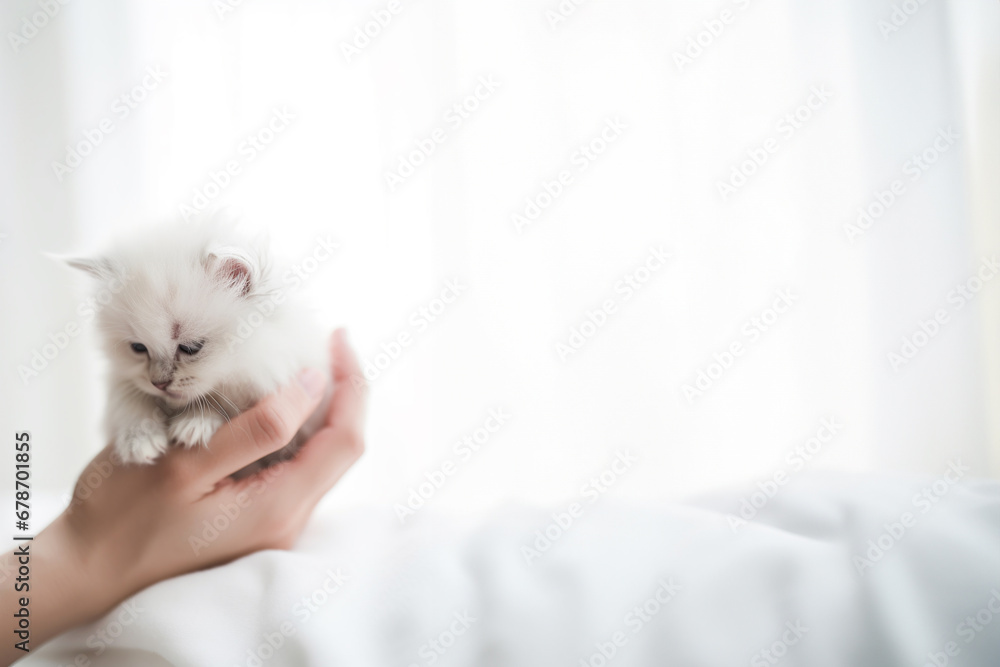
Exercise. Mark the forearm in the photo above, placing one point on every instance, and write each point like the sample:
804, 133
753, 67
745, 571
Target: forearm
47, 578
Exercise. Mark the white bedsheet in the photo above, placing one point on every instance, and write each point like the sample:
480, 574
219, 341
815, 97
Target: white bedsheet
674, 585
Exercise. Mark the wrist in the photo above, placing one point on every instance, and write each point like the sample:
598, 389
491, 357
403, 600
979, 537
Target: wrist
68, 587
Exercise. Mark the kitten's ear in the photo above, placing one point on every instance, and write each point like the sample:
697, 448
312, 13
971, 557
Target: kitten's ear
98, 267
233, 268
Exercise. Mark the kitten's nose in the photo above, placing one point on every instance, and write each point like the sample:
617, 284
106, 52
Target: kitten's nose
162, 386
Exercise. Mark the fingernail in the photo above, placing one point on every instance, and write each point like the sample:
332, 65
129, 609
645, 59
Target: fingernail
313, 381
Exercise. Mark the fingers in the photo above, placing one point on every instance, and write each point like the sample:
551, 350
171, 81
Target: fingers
261, 430
350, 395
320, 464
331, 451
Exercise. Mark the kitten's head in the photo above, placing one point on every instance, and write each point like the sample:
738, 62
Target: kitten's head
169, 307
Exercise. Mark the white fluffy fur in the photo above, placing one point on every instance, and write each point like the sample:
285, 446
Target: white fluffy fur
183, 284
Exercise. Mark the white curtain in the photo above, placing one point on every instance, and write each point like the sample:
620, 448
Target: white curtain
806, 111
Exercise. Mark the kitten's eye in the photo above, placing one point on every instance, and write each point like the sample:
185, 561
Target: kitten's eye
193, 348
138, 347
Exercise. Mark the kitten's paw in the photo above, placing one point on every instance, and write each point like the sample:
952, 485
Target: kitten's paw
141, 443
193, 430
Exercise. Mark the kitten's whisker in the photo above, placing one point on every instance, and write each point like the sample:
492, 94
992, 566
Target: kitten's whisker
215, 405
236, 409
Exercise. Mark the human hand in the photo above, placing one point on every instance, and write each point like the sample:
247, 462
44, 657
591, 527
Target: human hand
142, 524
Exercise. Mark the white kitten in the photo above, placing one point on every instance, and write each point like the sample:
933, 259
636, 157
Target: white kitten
198, 328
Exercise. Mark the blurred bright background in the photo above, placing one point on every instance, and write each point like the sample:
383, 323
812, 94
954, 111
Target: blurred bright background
692, 91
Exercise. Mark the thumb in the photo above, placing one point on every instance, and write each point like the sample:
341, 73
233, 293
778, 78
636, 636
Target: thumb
264, 428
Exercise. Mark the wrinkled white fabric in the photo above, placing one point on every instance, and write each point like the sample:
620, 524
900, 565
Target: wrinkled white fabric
677, 585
